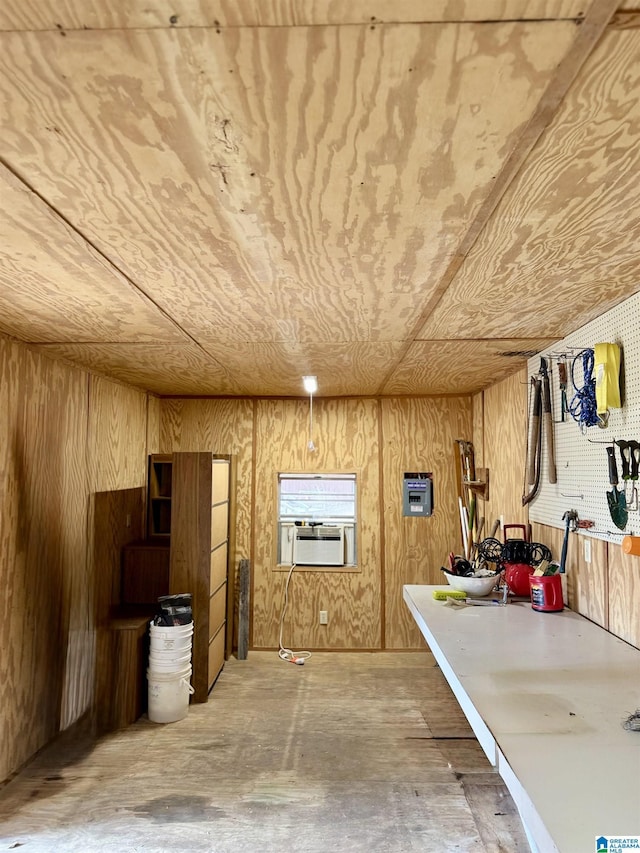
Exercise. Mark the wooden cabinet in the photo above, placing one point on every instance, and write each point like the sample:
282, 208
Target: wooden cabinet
145, 571
159, 495
194, 488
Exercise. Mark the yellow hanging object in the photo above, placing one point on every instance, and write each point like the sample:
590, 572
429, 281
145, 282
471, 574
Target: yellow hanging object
606, 359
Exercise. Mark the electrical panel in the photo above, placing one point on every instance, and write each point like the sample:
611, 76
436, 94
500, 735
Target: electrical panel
417, 494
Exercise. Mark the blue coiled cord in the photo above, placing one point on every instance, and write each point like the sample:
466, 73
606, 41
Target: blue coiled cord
583, 407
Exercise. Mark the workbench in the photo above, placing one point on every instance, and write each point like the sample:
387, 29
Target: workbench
546, 695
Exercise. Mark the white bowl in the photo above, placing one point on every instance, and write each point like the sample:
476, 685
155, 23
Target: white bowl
474, 587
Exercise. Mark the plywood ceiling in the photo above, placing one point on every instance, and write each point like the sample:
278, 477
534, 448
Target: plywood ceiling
395, 196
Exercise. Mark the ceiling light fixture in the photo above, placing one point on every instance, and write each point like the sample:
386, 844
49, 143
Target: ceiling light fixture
310, 384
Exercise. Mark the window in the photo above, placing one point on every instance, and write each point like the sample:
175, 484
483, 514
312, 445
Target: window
326, 502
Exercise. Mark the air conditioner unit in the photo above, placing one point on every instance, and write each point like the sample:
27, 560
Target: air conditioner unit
320, 545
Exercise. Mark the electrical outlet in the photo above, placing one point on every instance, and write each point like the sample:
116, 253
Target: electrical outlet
324, 617
587, 550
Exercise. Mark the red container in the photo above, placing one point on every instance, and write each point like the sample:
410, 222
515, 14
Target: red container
546, 593
516, 577
516, 572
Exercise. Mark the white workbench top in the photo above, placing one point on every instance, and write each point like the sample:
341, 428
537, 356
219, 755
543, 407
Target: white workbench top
546, 694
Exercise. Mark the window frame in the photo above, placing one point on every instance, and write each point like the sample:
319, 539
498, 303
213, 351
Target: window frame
289, 520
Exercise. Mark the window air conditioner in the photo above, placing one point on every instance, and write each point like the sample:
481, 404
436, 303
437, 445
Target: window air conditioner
320, 545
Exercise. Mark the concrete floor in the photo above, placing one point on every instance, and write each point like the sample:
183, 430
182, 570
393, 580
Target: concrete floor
367, 753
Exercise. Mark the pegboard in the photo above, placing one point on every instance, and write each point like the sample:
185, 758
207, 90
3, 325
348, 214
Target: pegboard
581, 458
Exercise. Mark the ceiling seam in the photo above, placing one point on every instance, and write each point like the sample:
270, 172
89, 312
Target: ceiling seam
590, 30
371, 24
62, 218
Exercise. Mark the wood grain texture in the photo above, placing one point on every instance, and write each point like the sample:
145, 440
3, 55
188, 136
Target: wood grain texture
122, 673
589, 584
42, 552
61, 437
118, 520
253, 13
190, 556
477, 404
464, 366
117, 441
153, 424
346, 435
418, 435
533, 256
624, 595
505, 418
277, 368
347, 747
54, 286
334, 227
203, 198
159, 368
222, 426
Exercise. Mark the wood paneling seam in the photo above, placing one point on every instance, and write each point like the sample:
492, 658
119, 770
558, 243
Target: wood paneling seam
589, 33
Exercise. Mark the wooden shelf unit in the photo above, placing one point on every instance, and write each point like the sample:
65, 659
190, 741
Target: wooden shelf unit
196, 487
159, 495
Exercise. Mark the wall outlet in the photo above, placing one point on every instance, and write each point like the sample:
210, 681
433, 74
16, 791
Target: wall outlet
587, 550
324, 617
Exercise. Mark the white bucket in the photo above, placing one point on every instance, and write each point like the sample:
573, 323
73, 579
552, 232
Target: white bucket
169, 695
170, 664
172, 644
170, 654
170, 632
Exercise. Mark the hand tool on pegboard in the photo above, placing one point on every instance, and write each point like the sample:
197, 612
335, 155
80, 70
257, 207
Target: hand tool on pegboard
547, 420
616, 498
563, 379
540, 422
534, 442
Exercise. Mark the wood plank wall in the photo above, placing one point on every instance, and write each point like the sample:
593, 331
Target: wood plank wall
415, 435
419, 435
394, 434
223, 427
64, 435
346, 435
606, 590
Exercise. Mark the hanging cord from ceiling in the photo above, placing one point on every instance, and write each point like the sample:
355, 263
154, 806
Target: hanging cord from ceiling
583, 407
311, 444
284, 653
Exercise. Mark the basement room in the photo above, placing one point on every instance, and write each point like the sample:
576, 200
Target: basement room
320, 426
